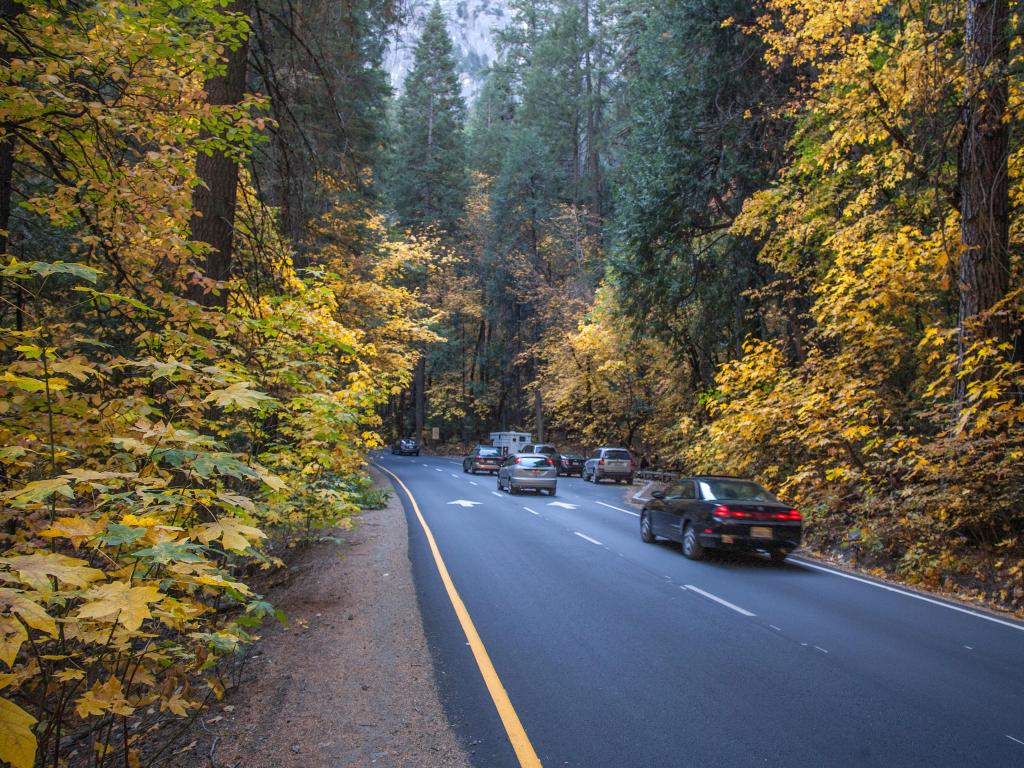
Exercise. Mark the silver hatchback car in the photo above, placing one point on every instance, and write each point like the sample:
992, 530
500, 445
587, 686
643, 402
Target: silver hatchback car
528, 471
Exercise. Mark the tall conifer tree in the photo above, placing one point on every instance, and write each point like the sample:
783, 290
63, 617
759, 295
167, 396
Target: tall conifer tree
428, 176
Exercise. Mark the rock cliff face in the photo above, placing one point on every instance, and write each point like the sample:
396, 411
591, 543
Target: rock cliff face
471, 24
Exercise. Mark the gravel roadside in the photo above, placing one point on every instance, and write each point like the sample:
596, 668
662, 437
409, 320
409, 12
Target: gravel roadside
350, 681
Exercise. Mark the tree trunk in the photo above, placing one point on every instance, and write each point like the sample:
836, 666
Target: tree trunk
9, 11
984, 269
215, 199
420, 385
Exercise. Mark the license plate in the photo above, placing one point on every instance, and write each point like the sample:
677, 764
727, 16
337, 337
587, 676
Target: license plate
760, 532
535, 471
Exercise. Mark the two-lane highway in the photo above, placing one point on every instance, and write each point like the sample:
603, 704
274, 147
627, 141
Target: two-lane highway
612, 652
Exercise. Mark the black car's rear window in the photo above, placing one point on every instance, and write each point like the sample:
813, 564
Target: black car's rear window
547, 449
572, 456
617, 455
489, 452
734, 489
533, 461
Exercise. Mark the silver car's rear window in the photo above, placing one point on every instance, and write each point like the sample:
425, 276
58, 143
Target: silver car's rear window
529, 461
617, 455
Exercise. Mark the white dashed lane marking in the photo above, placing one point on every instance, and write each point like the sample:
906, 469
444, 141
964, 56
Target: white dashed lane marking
473, 483
499, 495
532, 512
718, 600
1013, 739
619, 509
587, 538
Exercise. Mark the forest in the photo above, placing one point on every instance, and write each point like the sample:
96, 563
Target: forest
778, 239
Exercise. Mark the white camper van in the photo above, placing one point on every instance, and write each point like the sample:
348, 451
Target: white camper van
510, 442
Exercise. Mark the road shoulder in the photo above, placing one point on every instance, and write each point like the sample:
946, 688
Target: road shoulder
350, 681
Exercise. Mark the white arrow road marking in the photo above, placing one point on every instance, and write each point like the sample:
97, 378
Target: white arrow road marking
563, 505
466, 503
720, 601
587, 538
619, 509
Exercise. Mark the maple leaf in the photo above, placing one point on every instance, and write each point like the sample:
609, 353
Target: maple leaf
33, 614
34, 569
103, 698
239, 395
77, 529
121, 602
12, 636
17, 742
39, 490
234, 535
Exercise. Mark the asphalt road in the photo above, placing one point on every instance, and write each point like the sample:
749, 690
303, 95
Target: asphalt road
618, 653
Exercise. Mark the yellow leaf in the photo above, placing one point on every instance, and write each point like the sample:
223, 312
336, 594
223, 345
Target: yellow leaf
103, 698
12, 636
33, 614
234, 535
17, 742
119, 601
35, 569
77, 529
239, 395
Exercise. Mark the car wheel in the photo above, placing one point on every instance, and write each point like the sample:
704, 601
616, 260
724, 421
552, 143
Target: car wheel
499, 483
778, 555
512, 490
465, 470
646, 531
691, 544
551, 492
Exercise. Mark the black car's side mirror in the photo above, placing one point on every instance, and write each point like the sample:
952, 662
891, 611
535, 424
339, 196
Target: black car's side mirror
657, 494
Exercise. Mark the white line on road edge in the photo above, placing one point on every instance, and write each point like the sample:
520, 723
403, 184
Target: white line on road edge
619, 509
531, 511
1013, 739
719, 600
904, 592
499, 495
592, 541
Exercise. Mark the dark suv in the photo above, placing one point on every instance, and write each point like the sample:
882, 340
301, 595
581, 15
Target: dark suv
406, 446
713, 511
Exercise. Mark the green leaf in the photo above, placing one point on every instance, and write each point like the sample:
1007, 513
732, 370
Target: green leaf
44, 269
208, 464
117, 534
171, 551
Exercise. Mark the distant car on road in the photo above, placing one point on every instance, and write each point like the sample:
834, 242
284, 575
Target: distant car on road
719, 512
613, 463
570, 464
528, 471
483, 458
406, 446
547, 449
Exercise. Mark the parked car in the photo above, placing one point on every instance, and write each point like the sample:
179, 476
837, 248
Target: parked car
547, 449
483, 458
719, 512
570, 464
406, 446
613, 463
528, 471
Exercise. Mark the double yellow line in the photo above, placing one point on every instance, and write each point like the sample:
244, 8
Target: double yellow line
513, 727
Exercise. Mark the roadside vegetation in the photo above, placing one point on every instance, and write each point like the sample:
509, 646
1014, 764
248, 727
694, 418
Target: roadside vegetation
778, 239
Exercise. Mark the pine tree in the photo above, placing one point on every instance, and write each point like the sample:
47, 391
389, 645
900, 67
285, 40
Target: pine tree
428, 174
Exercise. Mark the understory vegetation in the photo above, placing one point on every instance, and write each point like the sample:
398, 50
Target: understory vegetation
779, 239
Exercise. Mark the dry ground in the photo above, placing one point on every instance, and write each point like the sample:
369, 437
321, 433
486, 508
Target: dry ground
350, 681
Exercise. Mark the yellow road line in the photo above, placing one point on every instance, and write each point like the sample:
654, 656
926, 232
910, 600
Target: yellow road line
516, 733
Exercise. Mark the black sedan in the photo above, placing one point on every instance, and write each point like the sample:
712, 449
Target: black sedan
406, 446
570, 464
483, 458
717, 512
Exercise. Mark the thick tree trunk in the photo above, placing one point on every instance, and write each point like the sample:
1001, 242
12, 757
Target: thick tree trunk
984, 269
420, 385
215, 199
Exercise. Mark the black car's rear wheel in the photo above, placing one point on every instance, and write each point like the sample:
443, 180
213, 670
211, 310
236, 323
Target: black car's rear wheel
646, 530
778, 555
691, 544
512, 490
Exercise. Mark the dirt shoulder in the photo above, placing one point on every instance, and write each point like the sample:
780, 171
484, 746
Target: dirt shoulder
350, 681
